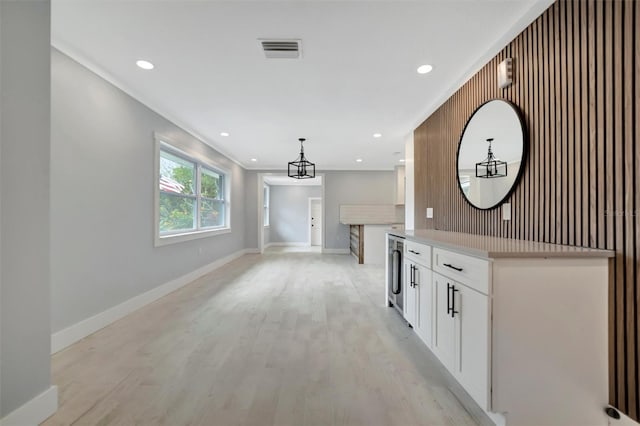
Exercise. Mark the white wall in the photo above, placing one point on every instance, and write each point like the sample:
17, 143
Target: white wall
409, 193
102, 205
24, 213
289, 213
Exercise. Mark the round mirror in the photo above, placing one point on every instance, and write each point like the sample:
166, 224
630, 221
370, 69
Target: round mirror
491, 154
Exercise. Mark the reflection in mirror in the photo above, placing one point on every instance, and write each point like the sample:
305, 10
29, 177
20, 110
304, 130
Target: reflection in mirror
491, 153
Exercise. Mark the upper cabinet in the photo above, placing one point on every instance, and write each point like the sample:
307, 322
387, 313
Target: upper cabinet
399, 187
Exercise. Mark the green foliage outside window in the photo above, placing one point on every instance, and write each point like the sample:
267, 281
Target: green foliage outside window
209, 184
178, 212
178, 201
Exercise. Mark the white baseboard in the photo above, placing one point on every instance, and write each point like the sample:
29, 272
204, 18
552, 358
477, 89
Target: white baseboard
335, 251
287, 244
82, 329
35, 411
252, 251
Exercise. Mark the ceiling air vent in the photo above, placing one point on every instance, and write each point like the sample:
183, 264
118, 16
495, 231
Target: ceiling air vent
279, 49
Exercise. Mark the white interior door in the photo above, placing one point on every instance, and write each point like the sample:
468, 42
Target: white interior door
316, 222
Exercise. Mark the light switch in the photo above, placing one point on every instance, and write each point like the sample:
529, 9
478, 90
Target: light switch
429, 212
506, 211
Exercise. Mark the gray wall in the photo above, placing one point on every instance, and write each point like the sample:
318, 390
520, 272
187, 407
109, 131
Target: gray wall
341, 187
25, 339
102, 198
352, 188
289, 213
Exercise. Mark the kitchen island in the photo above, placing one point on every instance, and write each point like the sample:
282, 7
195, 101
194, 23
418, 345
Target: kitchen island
368, 225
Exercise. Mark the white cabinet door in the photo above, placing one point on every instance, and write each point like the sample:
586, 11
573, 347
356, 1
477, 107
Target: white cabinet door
424, 313
444, 327
471, 314
410, 294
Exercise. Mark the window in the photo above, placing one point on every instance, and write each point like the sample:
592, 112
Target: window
193, 197
265, 213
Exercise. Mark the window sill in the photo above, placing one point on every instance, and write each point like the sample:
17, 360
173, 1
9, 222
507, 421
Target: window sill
188, 236
266, 226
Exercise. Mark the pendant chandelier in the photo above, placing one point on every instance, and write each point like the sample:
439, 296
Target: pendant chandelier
491, 167
301, 168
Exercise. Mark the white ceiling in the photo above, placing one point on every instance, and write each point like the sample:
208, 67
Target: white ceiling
357, 75
281, 180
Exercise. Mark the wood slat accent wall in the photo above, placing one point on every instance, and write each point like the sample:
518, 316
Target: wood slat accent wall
577, 81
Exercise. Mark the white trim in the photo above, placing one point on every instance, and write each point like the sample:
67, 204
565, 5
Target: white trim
288, 244
91, 66
266, 203
188, 236
84, 328
35, 411
261, 244
165, 142
335, 251
260, 191
311, 199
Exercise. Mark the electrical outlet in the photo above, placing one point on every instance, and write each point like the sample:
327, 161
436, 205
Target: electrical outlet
506, 211
429, 212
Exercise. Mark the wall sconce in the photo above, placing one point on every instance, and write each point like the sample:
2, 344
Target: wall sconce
505, 73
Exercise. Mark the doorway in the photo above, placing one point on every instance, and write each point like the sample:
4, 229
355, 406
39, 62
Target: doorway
315, 221
284, 212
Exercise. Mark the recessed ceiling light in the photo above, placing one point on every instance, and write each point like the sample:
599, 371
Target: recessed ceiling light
401, 160
424, 69
358, 160
254, 159
224, 134
145, 65
377, 135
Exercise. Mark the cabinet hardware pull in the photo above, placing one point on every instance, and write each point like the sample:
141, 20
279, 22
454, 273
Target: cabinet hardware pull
411, 275
448, 298
414, 252
414, 274
396, 287
448, 265
453, 301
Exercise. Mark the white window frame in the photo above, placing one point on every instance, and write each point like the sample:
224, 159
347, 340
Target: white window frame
266, 195
160, 239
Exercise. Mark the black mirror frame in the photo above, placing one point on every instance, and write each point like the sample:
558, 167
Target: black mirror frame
523, 158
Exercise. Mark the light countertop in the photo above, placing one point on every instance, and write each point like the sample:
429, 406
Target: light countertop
495, 247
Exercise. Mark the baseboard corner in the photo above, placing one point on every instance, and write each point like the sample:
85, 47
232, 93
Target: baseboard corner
35, 411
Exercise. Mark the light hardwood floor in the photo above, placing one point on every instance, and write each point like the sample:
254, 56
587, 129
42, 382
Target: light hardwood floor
275, 339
